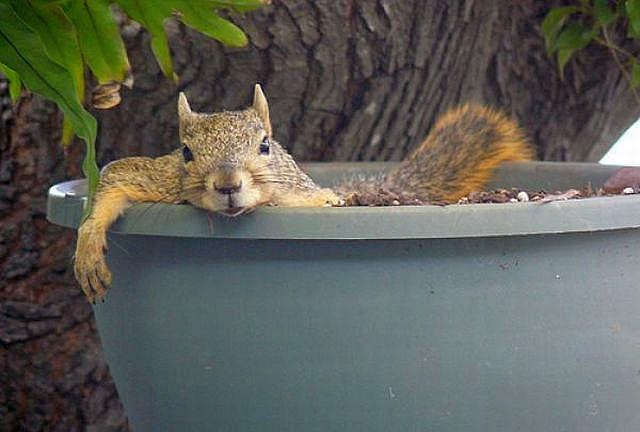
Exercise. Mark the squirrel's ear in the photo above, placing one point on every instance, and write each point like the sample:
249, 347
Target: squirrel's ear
262, 108
183, 106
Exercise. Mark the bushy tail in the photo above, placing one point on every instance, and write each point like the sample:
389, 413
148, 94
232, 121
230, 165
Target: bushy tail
460, 154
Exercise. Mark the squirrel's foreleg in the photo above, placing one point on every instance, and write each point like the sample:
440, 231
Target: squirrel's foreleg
90, 268
122, 183
320, 197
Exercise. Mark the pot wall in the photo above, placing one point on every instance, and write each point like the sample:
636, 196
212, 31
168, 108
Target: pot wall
522, 333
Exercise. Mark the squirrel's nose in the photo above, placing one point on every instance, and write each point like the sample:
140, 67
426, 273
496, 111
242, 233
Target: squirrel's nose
228, 189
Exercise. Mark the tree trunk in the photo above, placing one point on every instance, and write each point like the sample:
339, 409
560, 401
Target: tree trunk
52, 372
346, 80
350, 80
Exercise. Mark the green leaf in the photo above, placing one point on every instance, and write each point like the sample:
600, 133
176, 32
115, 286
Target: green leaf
57, 35
553, 22
15, 84
210, 24
633, 12
160, 48
49, 2
238, 5
563, 57
574, 37
603, 13
198, 14
21, 50
151, 16
67, 132
100, 41
635, 75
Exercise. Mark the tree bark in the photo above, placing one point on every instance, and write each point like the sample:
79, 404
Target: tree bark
350, 80
52, 372
346, 80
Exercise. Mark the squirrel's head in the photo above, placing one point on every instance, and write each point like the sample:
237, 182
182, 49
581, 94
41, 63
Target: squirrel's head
227, 156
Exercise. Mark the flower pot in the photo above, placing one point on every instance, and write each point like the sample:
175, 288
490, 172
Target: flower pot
501, 317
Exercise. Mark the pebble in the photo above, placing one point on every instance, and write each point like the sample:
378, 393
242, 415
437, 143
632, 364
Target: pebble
513, 200
523, 196
628, 191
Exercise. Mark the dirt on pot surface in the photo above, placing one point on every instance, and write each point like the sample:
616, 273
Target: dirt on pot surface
625, 181
513, 195
383, 197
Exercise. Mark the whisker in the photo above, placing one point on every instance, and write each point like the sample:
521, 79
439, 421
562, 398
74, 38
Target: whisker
118, 245
149, 207
210, 222
267, 179
136, 218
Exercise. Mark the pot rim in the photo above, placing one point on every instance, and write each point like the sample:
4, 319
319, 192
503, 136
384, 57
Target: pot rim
65, 202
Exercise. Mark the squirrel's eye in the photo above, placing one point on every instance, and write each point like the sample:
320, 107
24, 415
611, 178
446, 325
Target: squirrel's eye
186, 153
264, 146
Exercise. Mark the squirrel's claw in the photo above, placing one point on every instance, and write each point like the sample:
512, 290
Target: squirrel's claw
94, 278
334, 200
98, 285
83, 280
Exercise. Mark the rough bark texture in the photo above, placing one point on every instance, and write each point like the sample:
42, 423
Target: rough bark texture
351, 80
52, 372
347, 80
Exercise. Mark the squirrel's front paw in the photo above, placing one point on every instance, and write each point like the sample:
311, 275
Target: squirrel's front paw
328, 198
336, 201
90, 267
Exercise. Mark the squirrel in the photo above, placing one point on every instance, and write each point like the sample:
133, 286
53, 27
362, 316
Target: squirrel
229, 163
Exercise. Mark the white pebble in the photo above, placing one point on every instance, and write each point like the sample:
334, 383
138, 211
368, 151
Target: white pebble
513, 200
395, 202
628, 191
523, 196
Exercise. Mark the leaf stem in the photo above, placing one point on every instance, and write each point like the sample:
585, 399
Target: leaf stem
615, 49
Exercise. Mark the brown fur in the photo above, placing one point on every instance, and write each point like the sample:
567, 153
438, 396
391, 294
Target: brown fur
458, 157
460, 154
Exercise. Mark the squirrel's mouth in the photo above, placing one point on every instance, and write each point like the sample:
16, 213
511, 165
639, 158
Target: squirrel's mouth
234, 211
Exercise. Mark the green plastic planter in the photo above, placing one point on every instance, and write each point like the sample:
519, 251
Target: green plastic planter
503, 317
